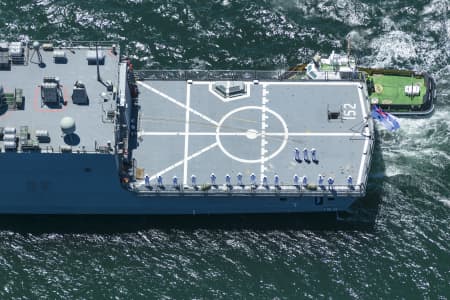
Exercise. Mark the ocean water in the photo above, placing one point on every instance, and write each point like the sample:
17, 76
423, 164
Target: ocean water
397, 245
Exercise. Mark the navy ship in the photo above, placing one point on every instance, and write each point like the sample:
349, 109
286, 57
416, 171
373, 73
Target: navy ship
81, 132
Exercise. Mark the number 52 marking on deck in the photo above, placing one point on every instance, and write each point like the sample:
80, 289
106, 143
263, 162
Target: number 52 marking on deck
349, 111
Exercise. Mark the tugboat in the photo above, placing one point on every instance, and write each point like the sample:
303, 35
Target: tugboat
403, 93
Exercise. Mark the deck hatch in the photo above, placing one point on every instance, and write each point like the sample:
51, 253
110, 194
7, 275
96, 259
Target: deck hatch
229, 89
334, 112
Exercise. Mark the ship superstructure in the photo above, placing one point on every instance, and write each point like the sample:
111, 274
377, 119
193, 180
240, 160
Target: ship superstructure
82, 132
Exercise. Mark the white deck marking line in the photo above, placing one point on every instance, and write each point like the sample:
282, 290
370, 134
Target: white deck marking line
186, 130
181, 133
202, 82
264, 117
177, 103
366, 142
179, 163
268, 110
361, 102
310, 82
363, 159
321, 83
351, 134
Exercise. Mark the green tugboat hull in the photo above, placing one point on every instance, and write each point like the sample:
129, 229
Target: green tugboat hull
401, 92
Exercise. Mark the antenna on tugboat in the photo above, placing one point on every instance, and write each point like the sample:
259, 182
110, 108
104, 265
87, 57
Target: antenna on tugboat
349, 46
412, 86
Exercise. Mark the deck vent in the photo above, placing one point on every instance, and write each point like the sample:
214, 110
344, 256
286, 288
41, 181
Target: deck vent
91, 57
66, 149
42, 136
59, 57
10, 145
16, 51
5, 63
47, 47
412, 90
79, 94
111, 114
229, 89
4, 47
50, 90
334, 115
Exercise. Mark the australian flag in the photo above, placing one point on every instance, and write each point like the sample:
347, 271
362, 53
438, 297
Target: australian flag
388, 120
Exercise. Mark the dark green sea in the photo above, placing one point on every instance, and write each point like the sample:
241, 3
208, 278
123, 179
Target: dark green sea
396, 246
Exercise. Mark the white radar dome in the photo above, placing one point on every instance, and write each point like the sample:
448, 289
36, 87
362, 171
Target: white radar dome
68, 125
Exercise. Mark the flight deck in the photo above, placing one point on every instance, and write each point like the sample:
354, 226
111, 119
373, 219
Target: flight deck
238, 134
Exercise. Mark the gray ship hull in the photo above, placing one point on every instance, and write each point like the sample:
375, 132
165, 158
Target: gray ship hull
35, 183
82, 133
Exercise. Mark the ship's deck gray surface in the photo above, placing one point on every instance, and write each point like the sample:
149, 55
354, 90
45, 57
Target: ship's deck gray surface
186, 129
88, 118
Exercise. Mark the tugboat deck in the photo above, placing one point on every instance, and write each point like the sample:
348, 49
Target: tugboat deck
389, 90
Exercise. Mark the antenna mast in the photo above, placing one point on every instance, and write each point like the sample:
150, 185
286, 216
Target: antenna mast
36, 51
98, 67
348, 46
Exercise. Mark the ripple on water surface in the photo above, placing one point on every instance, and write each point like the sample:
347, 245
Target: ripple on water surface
404, 254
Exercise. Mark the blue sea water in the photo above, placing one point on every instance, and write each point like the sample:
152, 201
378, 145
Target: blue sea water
396, 247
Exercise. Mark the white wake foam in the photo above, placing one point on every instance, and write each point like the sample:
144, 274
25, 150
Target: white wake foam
446, 202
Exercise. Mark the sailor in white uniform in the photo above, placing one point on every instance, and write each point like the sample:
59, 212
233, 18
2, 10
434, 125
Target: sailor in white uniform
297, 155
330, 182
320, 180
228, 180
296, 180
314, 155
305, 155
239, 179
276, 180
160, 180
253, 179
265, 181
350, 181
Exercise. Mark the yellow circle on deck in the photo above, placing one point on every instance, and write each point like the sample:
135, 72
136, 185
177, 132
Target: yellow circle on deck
378, 88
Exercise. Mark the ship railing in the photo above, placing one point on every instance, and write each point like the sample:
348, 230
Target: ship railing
72, 150
367, 164
75, 44
249, 190
236, 75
